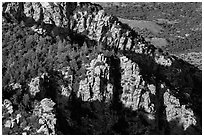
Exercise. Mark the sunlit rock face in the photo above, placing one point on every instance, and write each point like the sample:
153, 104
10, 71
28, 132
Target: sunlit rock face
34, 86
135, 92
176, 111
33, 11
173, 101
133, 85
179, 115
47, 120
95, 85
56, 13
8, 105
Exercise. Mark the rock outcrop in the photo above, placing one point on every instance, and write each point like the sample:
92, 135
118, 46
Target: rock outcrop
47, 120
175, 111
96, 85
133, 86
159, 86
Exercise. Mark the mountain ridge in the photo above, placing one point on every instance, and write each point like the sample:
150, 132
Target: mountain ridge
136, 74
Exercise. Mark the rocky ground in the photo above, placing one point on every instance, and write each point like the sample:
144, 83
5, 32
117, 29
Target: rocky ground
75, 69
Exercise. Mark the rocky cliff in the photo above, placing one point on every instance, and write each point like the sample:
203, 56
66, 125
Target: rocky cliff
164, 91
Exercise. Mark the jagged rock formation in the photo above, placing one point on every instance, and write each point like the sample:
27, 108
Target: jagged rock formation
96, 86
133, 86
174, 110
47, 119
165, 90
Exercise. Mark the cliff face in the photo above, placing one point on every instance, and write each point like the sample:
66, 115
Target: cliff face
163, 89
95, 86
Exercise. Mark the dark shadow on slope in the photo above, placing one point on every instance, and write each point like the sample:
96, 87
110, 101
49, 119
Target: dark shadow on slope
175, 128
98, 118
115, 79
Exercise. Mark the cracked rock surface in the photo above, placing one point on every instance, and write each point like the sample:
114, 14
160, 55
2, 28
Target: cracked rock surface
159, 88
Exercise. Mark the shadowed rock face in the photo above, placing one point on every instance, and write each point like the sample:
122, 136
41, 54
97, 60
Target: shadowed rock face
165, 90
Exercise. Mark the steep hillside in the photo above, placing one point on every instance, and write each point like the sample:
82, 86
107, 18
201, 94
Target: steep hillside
70, 68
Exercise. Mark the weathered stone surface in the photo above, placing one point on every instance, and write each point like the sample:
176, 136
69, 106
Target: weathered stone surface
153, 100
39, 13
47, 120
135, 93
162, 60
47, 104
97, 74
8, 105
15, 86
34, 86
34, 10
130, 81
176, 111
